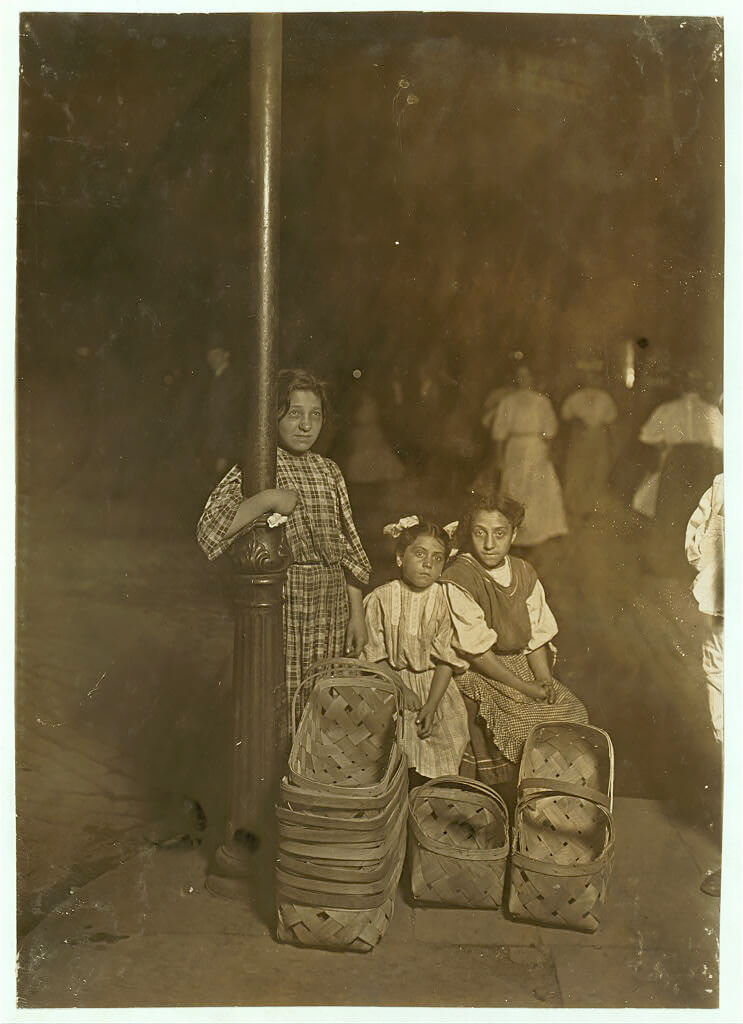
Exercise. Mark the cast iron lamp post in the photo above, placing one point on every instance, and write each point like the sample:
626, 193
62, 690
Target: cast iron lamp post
260, 554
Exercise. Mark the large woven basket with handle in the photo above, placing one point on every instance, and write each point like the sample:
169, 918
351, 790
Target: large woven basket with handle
342, 811
458, 843
563, 838
350, 732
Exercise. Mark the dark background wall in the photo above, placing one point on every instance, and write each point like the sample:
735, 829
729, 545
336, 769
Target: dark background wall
454, 187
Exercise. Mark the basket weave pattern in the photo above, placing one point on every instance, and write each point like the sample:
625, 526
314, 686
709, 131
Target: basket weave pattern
458, 843
563, 848
342, 810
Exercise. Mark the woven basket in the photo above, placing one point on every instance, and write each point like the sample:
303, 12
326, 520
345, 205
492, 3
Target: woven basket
345, 808
346, 851
570, 752
458, 843
341, 922
310, 835
350, 733
349, 930
563, 841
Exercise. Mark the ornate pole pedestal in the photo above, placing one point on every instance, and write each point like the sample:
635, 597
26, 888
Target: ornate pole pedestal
259, 553
260, 741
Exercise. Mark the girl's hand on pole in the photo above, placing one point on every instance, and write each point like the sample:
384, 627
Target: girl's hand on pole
356, 635
281, 499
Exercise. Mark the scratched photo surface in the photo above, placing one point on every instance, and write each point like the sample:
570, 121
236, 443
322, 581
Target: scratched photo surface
499, 240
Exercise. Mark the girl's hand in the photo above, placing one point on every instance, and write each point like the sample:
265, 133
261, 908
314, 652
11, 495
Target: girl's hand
410, 700
356, 635
424, 721
539, 690
549, 691
281, 499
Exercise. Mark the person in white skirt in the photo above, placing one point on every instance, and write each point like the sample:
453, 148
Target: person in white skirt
522, 427
409, 630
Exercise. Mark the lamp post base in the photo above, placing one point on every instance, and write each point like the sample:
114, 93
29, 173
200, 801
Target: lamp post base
234, 870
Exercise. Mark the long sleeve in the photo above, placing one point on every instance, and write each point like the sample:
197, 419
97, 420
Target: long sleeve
705, 535
570, 407
471, 634
501, 422
218, 515
354, 559
653, 430
543, 623
696, 528
548, 421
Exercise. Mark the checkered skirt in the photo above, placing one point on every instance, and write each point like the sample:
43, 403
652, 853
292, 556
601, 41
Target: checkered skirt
509, 715
315, 620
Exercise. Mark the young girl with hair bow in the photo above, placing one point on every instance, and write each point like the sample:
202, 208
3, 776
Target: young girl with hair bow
409, 629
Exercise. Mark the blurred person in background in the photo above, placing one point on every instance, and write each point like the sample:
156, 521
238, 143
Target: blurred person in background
523, 425
687, 435
592, 412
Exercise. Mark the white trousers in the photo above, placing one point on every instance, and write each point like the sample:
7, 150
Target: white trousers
712, 659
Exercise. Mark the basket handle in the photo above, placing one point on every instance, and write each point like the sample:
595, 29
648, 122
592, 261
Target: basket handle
465, 783
478, 787
419, 792
369, 667
522, 860
595, 796
541, 867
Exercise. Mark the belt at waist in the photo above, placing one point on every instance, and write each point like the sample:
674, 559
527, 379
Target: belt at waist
310, 565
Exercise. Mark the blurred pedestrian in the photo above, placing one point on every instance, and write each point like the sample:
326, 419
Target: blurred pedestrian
685, 421
591, 411
522, 427
222, 414
687, 434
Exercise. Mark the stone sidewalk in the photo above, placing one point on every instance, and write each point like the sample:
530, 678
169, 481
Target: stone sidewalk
149, 934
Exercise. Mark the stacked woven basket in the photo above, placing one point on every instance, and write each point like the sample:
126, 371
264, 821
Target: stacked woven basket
563, 839
342, 810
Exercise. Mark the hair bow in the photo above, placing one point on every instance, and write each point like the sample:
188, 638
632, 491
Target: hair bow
451, 528
395, 529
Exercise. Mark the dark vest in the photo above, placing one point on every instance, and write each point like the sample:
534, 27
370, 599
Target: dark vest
504, 607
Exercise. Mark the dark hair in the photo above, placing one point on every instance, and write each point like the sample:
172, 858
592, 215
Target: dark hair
486, 500
299, 380
423, 529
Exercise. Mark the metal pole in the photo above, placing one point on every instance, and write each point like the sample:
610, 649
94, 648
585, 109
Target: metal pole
260, 554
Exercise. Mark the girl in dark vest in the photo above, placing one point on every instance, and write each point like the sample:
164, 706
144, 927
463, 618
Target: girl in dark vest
503, 627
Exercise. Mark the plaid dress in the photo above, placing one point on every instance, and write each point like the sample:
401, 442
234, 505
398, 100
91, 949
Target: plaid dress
325, 548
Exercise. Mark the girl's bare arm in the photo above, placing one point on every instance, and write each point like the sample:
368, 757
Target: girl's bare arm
275, 499
488, 665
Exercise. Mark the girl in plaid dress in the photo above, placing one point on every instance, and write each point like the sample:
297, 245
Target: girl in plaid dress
410, 630
323, 609
503, 627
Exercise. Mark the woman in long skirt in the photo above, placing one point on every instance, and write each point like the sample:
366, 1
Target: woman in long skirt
523, 424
